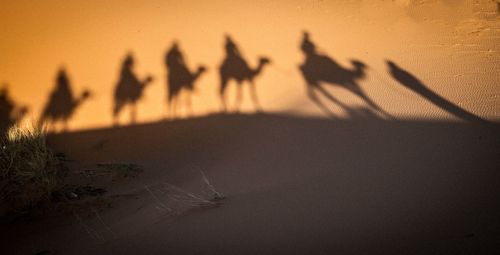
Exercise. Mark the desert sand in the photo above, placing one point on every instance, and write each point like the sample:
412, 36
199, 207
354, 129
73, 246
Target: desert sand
378, 132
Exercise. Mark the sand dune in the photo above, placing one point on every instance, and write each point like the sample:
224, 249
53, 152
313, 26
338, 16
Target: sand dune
293, 185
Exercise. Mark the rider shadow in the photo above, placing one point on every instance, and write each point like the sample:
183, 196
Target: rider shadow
10, 113
179, 79
62, 102
235, 67
129, 90
411, 82
318, 69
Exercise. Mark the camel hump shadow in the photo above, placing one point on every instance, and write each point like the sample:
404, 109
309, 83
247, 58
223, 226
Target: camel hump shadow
10, 112
235, 67
62, 102
321, 68
129, 89
318, 68
180, 77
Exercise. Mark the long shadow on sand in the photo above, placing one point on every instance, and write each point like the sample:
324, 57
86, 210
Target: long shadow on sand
411, 82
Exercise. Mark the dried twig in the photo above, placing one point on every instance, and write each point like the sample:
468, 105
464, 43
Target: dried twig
163, 206
217, 195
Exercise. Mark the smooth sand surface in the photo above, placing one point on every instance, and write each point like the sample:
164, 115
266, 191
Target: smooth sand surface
293, 185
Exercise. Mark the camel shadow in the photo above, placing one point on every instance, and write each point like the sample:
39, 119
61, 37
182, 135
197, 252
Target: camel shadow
179, 78
235, 67
129, 90
319, 68
10, 113
411, 82
62, 102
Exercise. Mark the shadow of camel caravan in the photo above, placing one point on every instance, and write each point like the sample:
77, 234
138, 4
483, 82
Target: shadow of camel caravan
235, 67
10, 113
62, 103
128, 90
179, 79
319, 69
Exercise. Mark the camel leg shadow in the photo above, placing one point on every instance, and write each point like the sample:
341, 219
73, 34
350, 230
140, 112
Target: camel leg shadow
239, 98
255, 99
312, 95
353, 88
222, 94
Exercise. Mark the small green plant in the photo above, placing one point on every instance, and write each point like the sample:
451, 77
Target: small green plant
30, 172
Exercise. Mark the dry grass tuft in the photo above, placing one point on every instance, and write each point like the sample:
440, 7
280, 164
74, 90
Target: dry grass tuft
30, 173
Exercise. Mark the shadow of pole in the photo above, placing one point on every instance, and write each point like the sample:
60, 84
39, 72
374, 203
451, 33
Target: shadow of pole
409, 81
